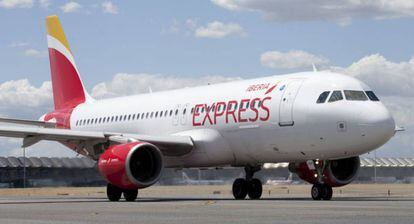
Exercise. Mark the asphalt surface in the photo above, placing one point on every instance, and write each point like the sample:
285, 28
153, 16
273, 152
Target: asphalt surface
205, 209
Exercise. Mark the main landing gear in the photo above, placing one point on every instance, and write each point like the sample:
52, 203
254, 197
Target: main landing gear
249, 186
114, 193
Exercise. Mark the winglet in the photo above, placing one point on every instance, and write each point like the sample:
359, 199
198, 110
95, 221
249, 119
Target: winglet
314, 67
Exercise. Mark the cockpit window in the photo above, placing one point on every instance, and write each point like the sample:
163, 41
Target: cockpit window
322, 97
336, 96
371, 95
355, 95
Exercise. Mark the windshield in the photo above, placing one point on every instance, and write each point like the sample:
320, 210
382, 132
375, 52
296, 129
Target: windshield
322, 97
355, 95
336, 96
372, 96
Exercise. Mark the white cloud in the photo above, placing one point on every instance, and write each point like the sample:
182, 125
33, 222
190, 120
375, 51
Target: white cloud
127, 84
342, 11
219, 30
18, 44
71, 7
10, 4
388, 77
35, 53
109, 7
21, 94
174, 28
45, 3
291, 59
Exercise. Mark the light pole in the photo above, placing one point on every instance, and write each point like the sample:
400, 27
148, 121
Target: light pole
375, 166
24, 167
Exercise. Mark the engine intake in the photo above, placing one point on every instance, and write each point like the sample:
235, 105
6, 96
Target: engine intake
337, 173
131, 165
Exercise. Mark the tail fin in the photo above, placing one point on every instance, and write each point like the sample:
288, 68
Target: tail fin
68, 90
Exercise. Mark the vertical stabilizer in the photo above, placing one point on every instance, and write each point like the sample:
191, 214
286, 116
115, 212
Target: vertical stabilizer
68, 89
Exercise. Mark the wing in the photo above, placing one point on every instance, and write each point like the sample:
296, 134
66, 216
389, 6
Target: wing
94, 142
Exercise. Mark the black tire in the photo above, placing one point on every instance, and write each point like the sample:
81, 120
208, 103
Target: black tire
327, 192
130, 194
316, 192
113, 192
255, 188
240, 189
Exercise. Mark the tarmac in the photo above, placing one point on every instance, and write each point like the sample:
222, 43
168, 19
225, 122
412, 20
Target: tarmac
210, 204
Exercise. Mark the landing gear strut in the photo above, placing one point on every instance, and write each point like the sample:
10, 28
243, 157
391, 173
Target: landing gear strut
248, 186
321, 190
114, 193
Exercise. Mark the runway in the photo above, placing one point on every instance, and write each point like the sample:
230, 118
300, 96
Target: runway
183, 205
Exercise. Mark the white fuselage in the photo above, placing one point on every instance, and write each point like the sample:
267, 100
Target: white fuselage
287, 125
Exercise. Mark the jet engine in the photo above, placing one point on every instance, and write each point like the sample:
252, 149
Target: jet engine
336, 173
131, 165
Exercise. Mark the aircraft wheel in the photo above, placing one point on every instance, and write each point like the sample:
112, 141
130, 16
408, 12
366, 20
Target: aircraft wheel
327, 192
240, 188
316, 192
113, 192
255, 188
130, 194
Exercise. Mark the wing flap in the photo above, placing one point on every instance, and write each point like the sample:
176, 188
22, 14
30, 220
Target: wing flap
28, 122
169, 145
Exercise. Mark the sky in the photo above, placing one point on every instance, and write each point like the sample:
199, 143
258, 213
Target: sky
123, 47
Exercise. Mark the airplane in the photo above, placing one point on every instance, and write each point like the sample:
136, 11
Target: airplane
318, 121
188, 180
287, 181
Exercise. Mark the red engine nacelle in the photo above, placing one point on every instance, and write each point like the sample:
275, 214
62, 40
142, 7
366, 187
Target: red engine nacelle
131, 165
337, 173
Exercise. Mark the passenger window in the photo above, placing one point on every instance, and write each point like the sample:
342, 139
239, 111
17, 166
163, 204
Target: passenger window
355, 95
336, 96
372, 96
184, 111
322, 97
156, 114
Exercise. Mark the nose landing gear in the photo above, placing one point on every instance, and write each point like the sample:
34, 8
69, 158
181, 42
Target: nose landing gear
321, 192
249, 186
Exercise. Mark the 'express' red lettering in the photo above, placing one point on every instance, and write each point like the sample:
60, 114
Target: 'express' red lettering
233, 111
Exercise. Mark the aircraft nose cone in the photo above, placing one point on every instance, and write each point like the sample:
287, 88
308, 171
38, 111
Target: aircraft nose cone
377, 126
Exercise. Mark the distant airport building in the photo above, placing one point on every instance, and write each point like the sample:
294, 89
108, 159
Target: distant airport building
43, 171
